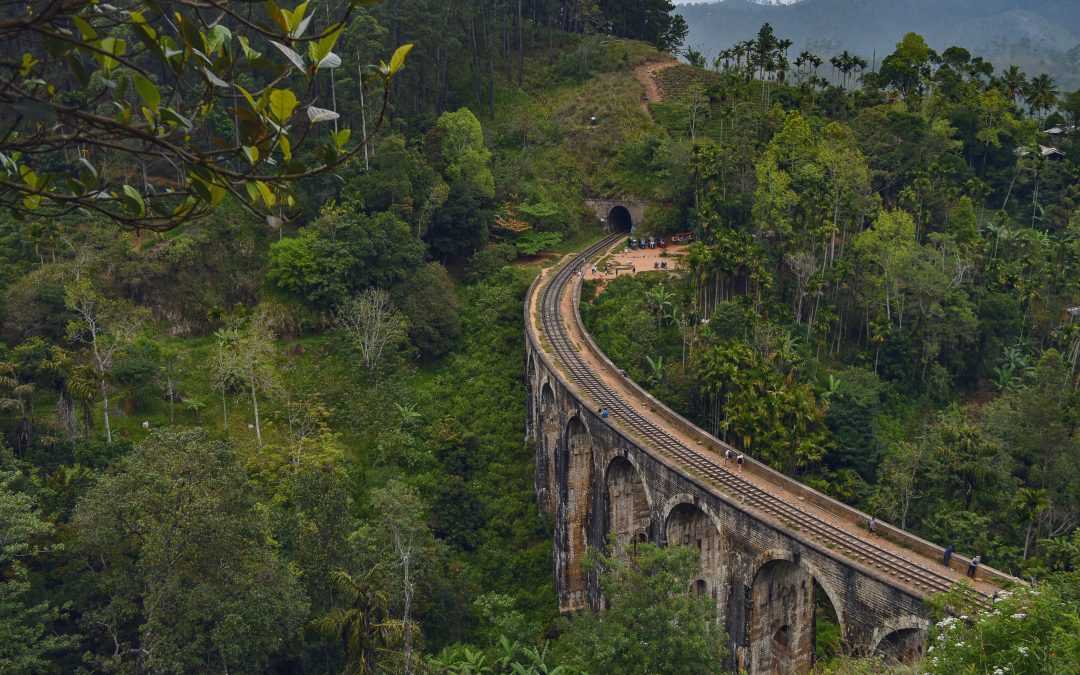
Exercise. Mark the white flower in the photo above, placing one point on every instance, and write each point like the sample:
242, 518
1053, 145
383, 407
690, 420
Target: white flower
1019, 615
961, 643
1023, 650
930, 649
963, 617
999, 671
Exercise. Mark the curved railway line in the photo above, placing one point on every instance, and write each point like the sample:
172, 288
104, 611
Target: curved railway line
841, 542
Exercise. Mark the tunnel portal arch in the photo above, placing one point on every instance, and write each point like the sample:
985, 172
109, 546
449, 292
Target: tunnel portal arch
620, 220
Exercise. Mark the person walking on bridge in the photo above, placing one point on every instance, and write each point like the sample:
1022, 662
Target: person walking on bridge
946, 557
872, 525
973, 566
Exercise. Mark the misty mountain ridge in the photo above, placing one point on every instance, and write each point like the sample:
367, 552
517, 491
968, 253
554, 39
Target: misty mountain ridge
1037, 35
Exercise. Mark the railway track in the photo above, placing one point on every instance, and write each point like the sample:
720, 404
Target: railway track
841, 542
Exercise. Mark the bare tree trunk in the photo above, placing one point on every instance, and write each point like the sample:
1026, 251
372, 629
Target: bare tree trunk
255, 406
105, 409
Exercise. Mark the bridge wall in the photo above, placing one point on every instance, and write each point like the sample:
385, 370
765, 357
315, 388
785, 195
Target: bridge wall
596, 481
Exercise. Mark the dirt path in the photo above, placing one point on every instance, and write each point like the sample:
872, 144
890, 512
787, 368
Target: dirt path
646, 74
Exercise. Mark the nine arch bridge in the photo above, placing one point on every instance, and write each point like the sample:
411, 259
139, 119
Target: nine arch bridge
771, 548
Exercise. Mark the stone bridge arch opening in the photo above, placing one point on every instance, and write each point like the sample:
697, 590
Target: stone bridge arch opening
688, 525
575, 479
628, 506
549, 439
620, 220
792, 619
901, 642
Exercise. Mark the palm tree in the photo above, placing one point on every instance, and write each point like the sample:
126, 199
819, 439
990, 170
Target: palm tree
1041, 94
656, 370
1014, 81
364, 627
660, 299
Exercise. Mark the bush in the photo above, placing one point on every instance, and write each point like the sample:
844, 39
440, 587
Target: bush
431, 304
344, 252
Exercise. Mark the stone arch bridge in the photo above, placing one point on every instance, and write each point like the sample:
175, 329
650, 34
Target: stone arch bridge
770, 547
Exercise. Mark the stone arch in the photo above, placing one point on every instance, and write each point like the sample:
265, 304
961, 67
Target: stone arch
628, 503
781, 635
687, 522
816, 574
575, 481
900, 640
782, 610
548, 426
619, 219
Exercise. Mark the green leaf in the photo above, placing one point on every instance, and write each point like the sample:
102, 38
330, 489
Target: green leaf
249, 53
266, 193
252, 153
148, 91
85, 29
170, 115
282, 104
341, 138
113, 46
248, 97
398, 59
319, 49
134, 201
219, 35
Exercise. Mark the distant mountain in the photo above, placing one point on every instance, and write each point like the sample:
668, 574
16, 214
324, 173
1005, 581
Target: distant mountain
1037, 35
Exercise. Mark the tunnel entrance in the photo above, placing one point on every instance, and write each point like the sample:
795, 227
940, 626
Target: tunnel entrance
619, 220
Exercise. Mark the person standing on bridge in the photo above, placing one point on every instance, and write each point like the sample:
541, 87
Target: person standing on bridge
973, 566
739, 461
872, 525
729, 455
946, 557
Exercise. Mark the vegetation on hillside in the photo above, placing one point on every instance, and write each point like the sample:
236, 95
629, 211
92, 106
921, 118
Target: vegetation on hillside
273, 421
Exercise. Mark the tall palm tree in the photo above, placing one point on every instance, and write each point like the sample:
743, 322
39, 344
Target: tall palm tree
1041, 94
1014, 82
364, 627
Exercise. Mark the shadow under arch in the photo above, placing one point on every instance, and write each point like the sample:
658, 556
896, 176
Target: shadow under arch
574, 466
687, 522
629, 505
786, 598
900, 640
547, 444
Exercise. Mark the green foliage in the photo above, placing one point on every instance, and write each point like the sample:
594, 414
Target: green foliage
429, 301
123, 86
464, 158
532, 243
344, 252
154, 532
779, 421
647, 593
1027, 630
26, 636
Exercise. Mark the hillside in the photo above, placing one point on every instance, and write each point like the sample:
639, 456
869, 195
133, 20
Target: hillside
1036, 35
